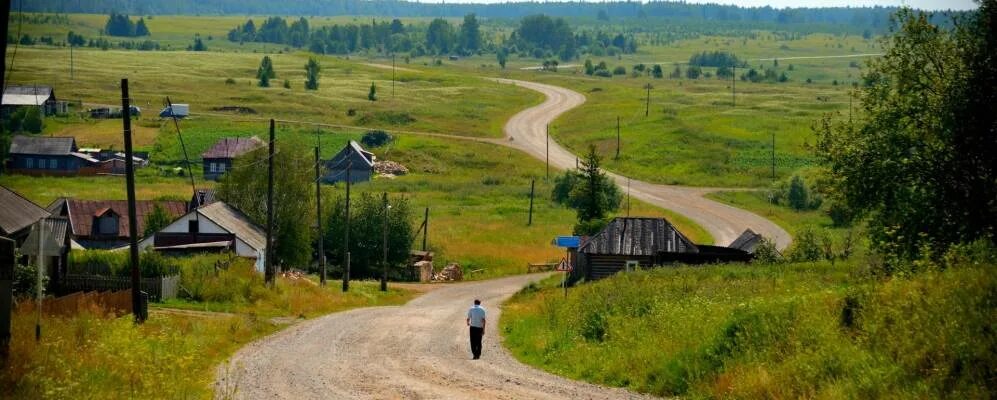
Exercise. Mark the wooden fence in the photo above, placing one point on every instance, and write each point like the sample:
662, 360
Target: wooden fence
119, 303
159, 289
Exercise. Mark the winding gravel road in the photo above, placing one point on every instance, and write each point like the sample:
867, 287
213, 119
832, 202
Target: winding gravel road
420, 350
416, 351
527, 132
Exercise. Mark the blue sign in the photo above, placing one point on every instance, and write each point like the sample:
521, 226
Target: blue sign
568, 241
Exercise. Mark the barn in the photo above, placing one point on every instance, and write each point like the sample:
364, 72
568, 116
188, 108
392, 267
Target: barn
43, 97
216, 227
360, 163
218, 159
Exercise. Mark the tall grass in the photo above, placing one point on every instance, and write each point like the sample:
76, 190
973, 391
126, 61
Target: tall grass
782, 331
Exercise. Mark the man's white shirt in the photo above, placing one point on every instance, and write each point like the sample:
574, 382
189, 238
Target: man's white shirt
477, 316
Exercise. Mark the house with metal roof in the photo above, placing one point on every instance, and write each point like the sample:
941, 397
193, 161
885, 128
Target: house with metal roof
17, 214
353, 161
104, 224
216, 227
46, 155
43, 97
52, 236
218, 159
748, 241
627, 243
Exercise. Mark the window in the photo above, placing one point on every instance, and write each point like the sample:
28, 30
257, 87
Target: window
193, 227
53, 163
108, 225
213, 168
29, 162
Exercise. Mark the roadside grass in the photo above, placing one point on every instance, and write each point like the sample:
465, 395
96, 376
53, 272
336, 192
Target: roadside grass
773, 331
172, 355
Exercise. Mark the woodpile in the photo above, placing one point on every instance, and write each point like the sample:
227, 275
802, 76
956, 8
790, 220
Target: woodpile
425, 270
450, 273
389, 168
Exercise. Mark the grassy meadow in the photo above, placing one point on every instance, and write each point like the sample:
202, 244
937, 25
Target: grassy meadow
807, 330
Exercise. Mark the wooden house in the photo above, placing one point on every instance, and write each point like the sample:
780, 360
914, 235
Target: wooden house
216, 227
629, 243
20, 96
45, 155
17, 214
218, 159
55, 245
103, 224
360, 163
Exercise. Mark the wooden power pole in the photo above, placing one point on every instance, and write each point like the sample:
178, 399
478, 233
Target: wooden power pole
346, 235
318, 218
532, 186
617, 136
425, 229
647, 102
270, 274
547, 150
384, 245
126, 120
773, 155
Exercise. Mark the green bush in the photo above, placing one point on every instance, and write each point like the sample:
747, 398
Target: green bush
115, 263
376, 138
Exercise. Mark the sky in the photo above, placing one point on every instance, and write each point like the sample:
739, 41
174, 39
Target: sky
920, 4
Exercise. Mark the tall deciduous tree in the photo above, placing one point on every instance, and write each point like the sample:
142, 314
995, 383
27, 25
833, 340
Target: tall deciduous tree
367, 216
312, 70
245, 187
918, 158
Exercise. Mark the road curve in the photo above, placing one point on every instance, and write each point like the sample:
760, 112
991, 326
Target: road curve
416, 351
526, 131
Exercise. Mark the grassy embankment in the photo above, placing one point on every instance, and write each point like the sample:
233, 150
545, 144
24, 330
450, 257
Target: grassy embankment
174, 354
767, 331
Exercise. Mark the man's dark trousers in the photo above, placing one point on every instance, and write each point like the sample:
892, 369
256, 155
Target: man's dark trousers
476, 334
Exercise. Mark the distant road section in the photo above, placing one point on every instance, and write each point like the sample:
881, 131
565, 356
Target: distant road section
527, 132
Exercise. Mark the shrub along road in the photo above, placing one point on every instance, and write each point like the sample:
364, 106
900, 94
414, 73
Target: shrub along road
420, 350
527, 132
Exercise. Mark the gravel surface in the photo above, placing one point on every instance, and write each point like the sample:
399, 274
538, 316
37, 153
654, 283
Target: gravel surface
416, 351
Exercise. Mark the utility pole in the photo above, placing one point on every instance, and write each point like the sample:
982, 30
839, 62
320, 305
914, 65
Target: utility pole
733, 85
392, 75
7, 262
268, 270
40, 260
532, 185
773, 155
425, 229
647, 103
346, 236
72, 74
126, 119
628, 197
617, 137
384, 245
547, 149
318, 218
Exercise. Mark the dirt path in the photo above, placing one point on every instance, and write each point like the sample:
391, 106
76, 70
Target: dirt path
527, 131
415, 351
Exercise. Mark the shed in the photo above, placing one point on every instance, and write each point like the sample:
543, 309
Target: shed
43, 97
46, 155
747, 242
628, 240
218, 159
214, 227
17, 214
103, 224
55, 245
358, 161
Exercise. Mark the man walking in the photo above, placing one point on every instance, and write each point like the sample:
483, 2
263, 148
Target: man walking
476, 320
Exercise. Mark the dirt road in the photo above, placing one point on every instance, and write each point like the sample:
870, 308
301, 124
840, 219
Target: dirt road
416, 351
527, 131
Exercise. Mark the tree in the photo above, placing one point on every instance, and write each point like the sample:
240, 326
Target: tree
677, 73
119, 25
657, 72
156, 220
589, 192
245, 186
372, 94
589, 68
76, 40
198, 44
470, 34
440, 36
917, 159
367, 218
312, 69
141, 29
265, 72
693, 72
503, 56
798, 196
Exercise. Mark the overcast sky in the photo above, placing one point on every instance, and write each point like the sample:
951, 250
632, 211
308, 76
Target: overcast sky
921, 4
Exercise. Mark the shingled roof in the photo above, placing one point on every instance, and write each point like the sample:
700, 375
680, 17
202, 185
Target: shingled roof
17, 212
42, 145
232, 147
81, 213
748, 241
638, 237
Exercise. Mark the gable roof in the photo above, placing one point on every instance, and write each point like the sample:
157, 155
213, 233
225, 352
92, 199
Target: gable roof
81, 213
638, 237
42, 145
236, 223
54, 241
748, 241
26, 95
17, 212
351, 149
232, 147
201, 197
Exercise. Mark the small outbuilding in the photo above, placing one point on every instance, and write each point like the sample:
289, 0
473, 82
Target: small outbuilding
218, 159
216, 227
46, 155
352, 158
20, 96
55, 245
17, 214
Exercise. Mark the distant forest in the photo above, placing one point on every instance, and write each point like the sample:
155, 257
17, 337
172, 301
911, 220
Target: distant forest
875, 18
